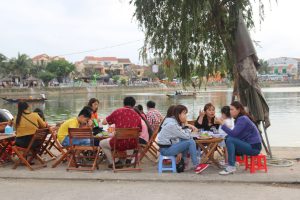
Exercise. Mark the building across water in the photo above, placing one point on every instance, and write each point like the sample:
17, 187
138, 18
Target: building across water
285, 66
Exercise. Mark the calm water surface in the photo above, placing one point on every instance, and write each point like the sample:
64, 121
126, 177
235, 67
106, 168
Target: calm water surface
284, 106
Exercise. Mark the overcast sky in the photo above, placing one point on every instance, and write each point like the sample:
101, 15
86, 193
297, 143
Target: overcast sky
59, 27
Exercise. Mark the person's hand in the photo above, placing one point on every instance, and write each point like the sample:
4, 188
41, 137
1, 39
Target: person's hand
194, 129
201, 113
219, 121
90, 123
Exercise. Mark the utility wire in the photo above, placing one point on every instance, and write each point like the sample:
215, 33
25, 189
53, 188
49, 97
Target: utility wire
107, 47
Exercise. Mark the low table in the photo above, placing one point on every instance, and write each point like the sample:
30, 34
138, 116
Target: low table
209, 146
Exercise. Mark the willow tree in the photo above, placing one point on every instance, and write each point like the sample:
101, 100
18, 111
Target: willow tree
198, 34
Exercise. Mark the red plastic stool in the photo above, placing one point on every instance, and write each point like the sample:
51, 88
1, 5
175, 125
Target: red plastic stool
258, 162
241, 159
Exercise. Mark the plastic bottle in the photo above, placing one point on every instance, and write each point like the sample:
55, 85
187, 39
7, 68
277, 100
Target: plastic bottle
95, 123
8, 129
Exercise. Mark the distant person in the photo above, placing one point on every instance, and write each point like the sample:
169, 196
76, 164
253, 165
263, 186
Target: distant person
63, 132
141, 109
153, 116
125, 117
206, 118
175, 138
26, 123
243, 139
146, 132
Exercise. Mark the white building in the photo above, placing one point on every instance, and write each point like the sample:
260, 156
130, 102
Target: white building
285, 65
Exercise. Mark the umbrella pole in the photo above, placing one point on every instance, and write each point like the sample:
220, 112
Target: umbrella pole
262, 138
268, 143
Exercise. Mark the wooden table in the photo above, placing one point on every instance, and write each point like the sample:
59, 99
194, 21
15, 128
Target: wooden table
209, 146
5, 141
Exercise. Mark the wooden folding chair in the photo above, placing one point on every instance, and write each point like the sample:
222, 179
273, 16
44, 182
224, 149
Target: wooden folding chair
48, 143
33, 151
63, 150
77, 152
132, 136
150, 148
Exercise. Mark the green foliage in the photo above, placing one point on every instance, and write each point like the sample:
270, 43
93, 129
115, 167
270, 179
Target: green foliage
264, 67
21, 65
123, 81
46, 76
61, 68
198, 34
4, 67
116, 78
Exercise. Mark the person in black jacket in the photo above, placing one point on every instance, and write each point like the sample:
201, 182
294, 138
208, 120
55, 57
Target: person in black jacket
206, 118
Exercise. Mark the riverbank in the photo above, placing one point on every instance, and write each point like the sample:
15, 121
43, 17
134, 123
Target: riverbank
82, 90
115, 88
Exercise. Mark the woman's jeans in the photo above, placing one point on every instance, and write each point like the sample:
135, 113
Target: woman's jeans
76, 141
184, 146
236, 146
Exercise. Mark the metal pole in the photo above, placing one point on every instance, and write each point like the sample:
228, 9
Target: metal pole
269, 147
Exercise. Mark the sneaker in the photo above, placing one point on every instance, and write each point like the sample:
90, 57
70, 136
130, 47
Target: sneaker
200, 168
228, 170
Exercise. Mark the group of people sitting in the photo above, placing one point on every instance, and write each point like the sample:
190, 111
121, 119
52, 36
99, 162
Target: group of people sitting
236, 126
240, 133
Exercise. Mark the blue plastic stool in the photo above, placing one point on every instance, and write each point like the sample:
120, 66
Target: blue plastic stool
162, 167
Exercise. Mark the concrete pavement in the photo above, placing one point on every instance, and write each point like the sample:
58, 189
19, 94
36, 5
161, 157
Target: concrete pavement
281, 175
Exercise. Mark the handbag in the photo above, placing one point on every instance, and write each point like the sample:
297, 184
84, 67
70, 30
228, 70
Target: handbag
180, 166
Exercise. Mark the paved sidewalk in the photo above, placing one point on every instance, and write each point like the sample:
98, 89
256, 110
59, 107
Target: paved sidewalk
280, 175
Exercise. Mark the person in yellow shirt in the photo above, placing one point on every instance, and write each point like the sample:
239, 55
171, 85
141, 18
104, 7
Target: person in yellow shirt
26, 124
83, 117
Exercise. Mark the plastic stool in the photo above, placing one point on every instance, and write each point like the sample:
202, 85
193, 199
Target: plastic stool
258, 162
241, 159
162, 167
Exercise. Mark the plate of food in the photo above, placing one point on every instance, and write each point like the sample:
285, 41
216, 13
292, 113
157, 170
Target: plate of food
205, 136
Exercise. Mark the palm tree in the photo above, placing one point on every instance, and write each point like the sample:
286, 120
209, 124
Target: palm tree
21, 66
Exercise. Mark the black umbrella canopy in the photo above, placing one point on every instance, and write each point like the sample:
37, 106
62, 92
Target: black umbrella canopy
249, 90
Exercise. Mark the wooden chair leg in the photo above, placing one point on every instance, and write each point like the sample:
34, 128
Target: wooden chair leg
63, 156
21, 159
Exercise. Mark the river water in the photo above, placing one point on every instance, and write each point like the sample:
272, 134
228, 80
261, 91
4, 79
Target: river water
284, 106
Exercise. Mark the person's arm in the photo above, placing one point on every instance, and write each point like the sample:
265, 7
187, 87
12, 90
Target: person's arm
179, 132
109, 119
200, 118
41, 122
238, 128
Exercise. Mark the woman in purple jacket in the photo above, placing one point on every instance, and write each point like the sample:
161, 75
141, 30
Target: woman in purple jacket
243, 139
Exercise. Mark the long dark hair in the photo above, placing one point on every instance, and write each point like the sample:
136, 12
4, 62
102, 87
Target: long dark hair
177, 111
91, 101
150, 131
22, 106
242, 110
170, 113
205, 118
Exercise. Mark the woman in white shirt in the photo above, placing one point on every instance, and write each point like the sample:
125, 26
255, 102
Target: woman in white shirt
225, 111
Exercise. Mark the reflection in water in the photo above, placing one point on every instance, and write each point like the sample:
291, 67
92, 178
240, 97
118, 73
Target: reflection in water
284, 108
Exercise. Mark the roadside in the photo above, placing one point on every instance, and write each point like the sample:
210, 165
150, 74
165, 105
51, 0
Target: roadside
53, 189
278, 175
